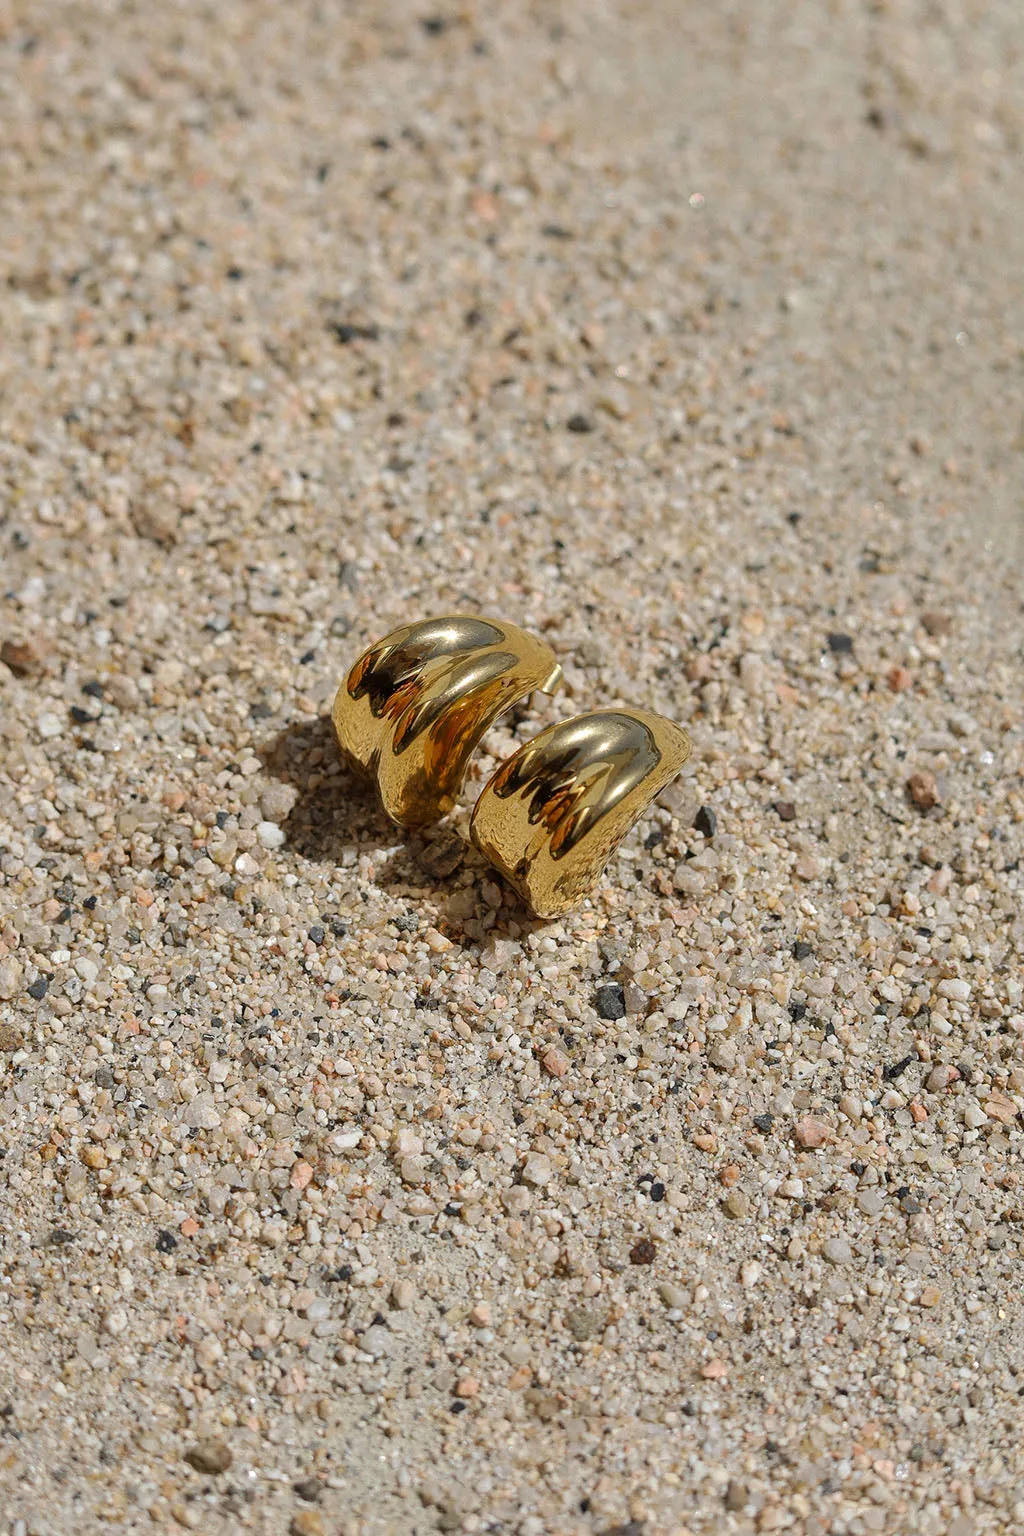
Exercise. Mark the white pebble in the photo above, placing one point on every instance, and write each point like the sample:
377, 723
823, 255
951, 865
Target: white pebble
751, 673
689, 881
50, 725
403, 1295
11, 977
376, 1340
499, 955
344, 1141
201, 1114
277, 801
412, 1171
723, 1055
837, 1251
537, 1169
209, 1352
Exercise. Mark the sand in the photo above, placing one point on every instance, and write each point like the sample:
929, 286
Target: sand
337, 1196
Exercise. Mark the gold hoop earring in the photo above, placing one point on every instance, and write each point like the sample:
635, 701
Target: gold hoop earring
415, 705
550, 817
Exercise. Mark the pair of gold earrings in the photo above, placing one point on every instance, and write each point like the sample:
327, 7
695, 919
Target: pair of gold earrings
416, 704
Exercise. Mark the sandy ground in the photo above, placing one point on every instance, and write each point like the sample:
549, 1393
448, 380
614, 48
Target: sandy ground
338, 1197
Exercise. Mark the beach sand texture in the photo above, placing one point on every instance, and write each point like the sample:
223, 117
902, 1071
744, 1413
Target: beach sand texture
337, 1197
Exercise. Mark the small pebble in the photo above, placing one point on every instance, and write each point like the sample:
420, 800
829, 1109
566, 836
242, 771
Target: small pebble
403, 1295
974, 1116
736, 1496
736, 1204
156, 518
412, 1170
277, 802
583, 1323
724, 1054
634, 998
25, 658
999, 1107
537, 1169
810, 1133
307, 1522
11, 1037
11, 978
706, 822
209, 1456
679, 800
555, 1061
837, 1251
122, 691
443, 857
752, 674
610, 1001
376, 1340
923, 789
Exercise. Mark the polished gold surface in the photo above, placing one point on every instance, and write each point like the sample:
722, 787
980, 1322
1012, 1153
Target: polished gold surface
415, 705
551, 815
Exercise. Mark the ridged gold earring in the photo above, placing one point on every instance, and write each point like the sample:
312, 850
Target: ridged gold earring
550, 817
415, 705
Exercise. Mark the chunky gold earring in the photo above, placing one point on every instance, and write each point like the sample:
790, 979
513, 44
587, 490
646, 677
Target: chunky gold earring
415, 705
551, 815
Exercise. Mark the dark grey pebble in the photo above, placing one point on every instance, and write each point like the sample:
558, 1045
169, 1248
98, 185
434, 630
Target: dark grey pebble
610, 1001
